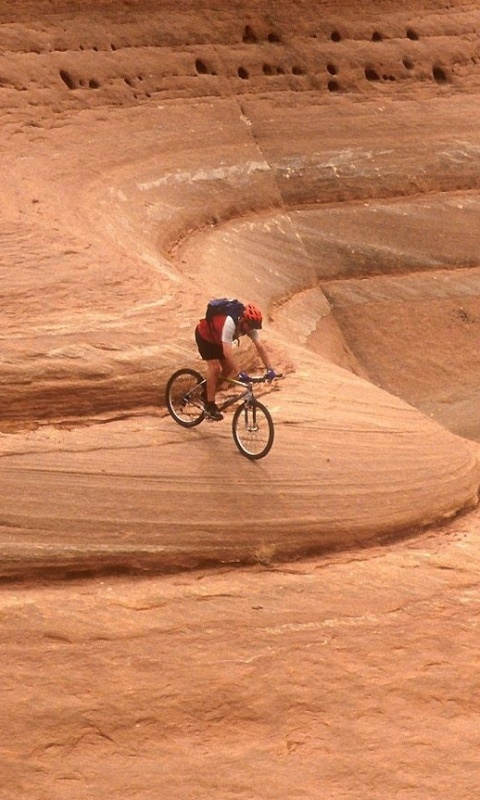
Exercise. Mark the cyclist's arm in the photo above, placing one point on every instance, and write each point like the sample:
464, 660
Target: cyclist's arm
228, 334
230, 367
263, 353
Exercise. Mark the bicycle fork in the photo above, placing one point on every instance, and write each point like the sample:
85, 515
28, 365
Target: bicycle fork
250, 417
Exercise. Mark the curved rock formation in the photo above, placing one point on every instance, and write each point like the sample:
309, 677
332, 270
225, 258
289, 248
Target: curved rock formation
322, 159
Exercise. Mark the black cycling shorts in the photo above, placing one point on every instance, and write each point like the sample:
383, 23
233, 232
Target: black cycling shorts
208, 350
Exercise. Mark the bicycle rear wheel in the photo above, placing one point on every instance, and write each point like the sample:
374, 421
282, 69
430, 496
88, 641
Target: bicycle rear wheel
252, 428
184, 397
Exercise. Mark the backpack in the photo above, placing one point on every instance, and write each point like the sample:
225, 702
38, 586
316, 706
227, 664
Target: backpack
223, 306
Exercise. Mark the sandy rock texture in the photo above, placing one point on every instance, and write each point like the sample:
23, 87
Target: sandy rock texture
352, 675
301, 624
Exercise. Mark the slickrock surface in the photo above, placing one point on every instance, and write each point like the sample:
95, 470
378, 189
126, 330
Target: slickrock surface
295, 627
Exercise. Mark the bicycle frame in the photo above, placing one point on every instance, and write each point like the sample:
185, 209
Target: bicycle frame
246, 395
194, 395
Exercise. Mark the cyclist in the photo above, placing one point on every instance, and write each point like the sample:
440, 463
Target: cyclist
215, 339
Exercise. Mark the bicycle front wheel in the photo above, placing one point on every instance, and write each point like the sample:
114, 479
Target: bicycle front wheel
252, 428
184, 396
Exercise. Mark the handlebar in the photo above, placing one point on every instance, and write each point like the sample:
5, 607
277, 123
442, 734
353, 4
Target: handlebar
255, 379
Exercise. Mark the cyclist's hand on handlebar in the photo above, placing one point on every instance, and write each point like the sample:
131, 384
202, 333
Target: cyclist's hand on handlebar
244, 377
270, 375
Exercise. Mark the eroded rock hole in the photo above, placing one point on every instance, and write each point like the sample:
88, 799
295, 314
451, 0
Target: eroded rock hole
201, 67
249, 36
274, 38
407, 63
243, 73
377, 37
333, 86
371, 74
297, 70
336, 36
331, 69
439, 75
93, 84
411, 34
67, 79
268, 69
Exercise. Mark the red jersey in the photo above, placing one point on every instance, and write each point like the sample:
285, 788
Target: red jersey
221, 329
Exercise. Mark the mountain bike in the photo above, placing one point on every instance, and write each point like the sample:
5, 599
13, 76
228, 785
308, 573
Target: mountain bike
252, 424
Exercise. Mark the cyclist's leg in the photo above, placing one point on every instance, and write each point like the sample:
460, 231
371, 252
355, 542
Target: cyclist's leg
211, 353
226, 371
214, 369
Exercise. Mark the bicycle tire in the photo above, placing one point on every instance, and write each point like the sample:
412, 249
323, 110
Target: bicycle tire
253, 430
184, 397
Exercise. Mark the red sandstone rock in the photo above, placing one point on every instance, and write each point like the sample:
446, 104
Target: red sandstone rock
322, 161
